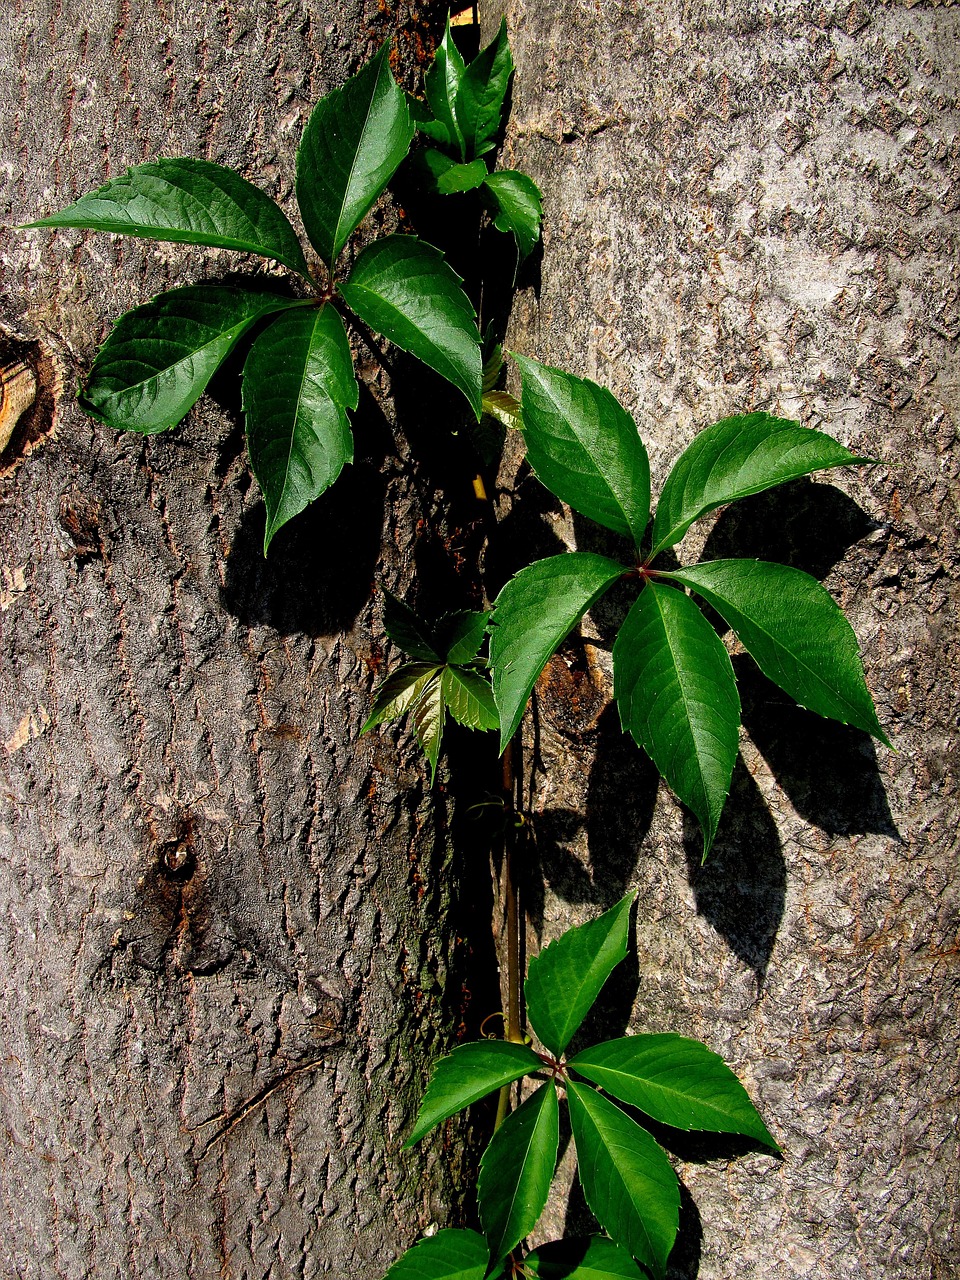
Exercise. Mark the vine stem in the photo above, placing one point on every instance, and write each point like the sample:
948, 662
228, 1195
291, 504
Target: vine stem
511, 910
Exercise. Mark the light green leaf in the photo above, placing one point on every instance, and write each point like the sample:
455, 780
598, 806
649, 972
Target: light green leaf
564, 980
518, 207
157, 362
504, 407
467, 1074
399, 692
585, 448
446, 177
460, 635
297, 386
627, 1180
534, 612
408, 631
451, 1254
352, 146
516, 1171
469, 698
591, 1258
734, 458
428, 718
403, 289
676, 1081
674, 684
442, 84
483, 88
187, 202
795, 632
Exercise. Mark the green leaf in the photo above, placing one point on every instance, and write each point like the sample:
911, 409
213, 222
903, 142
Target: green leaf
428, 717
352, 146
469, 698
504, 407
533, 613
408, 631
398, 693
451, 1254
566, 977
592, 1258
297, 386
446, 177
483, 88
518, 207
460, 635
441, 85
676, 1081
627, 1180
492, 361
403, 289
187, 202
467, 1074
795, 632
516, 1171
734, 458
674, 683
157, 362
585, 448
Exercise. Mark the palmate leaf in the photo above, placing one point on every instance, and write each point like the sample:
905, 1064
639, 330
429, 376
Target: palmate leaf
592, 1258
352, 146
187, 202
734, 458
469, 698
627, 1180
467, 1074
441, 85
298, 383
452, 1254
408, 631
459, 635
517, 207
399, 692
404, 290
533, 613
676, 1081
516, 1171
564, 980
793, 629
585, 448
675, 687
428, 717
480, 98
157, 362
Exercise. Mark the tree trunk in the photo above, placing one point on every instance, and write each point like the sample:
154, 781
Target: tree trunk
756, 208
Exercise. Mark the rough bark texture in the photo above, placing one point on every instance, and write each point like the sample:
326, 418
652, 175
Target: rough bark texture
223, 943
755, 207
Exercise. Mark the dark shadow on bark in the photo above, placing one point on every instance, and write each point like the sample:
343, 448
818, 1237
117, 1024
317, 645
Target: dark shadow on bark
684, 1260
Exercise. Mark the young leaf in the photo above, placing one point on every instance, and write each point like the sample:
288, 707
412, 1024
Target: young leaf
585, 448
674, 683
428, 717
492, 352
592, 1258
408, 631
188, 202
534, 612
566, 977
403, 289
441, 86
504, 407
157, 362
352, 146
483, 88
469, 698
518, 207
452, 1254
399, 692
446, 177
297, 386
516, 1171
676, 1081
627, 1180
467, 1074
792, 628
460, 635
734, 458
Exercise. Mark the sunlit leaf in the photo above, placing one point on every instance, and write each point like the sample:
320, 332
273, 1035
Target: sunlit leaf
460, 635
469, 698
483, 88
592, 1258
452, 1254
518, 207
467, 1074
442, 83
428, 717
399, 692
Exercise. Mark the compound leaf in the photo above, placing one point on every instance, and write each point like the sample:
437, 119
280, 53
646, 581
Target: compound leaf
452, 1254
408, 631
566, 977
297, 386
352, 146
428, 717
592, 1258
533, 613
585, 448
469, 698
460, 635
441, 85
674, 1080
516, 1171
483, 88
157, 362
518, 207
734, 458
674, 684
187, 202
398, 693
467, 1074
403, 289
627, 1180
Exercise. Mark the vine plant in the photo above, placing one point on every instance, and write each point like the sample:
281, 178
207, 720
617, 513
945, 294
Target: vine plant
673, 679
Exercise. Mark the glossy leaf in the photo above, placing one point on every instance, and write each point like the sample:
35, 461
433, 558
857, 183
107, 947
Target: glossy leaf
492, 362
591, 1258
408, 631
442, 83
452, 1254
796, 633
674, 684
504, 407
399, 692
585, 448
352, 146
483, 88
446, 177
187, 202
734, 458
403, 289
518, 207
675, 1081
626, 1178
564, 980
428, 718
298, 383
158, 359
516, 1171
469, 698
534, 612
467, 1074
460, 635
